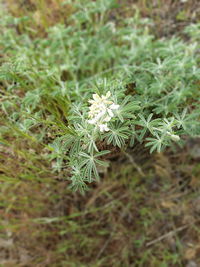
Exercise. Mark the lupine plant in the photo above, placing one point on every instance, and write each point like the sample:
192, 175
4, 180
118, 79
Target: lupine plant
98, 82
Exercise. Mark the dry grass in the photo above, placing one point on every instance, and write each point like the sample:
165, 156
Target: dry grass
42, 13
168, 16
126, 220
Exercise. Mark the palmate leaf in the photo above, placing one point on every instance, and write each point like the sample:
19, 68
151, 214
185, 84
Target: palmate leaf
89, 163
127, 108
148, 125
154, 143
77, 184
118, 134
158, 143
77, 179
189, 122
32, 98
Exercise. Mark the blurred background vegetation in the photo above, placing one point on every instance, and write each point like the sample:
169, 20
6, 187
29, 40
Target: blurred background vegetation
131, 217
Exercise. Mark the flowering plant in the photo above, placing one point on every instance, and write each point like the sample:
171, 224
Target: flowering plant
97, 84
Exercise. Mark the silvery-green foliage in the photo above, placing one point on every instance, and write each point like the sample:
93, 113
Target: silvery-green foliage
153, 83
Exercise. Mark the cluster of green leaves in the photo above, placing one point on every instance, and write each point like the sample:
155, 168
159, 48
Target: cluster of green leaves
47, 82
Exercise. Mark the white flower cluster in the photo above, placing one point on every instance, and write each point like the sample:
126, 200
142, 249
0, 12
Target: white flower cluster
101, 111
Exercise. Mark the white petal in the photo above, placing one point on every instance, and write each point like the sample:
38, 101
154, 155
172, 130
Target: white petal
96, 97
107, 118
91, 121
100, 114
108, 94
103, 127
110, 113
108, 102
105, 97
114, 106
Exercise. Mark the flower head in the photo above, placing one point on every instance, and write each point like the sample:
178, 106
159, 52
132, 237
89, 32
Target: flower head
101, 111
